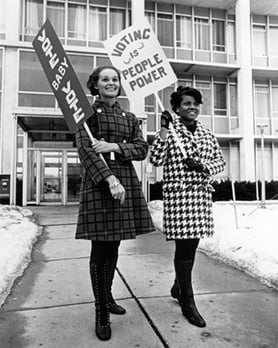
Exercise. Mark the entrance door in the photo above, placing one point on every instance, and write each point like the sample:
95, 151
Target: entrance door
52, 176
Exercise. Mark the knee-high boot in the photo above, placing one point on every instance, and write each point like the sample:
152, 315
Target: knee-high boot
100, 279
175, 291
114, 308
186, 297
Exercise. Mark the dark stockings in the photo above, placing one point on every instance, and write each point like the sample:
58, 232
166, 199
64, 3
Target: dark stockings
102, 256
182, 289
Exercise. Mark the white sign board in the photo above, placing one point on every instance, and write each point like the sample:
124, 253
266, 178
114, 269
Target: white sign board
136, 52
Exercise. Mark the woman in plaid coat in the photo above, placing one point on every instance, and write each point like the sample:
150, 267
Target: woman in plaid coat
186, 188
112, 205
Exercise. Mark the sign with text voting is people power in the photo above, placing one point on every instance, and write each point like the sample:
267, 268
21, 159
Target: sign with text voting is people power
61, 76
136, 52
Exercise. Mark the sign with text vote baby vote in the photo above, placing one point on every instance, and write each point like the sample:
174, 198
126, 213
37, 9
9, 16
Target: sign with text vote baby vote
61, 76
136, 52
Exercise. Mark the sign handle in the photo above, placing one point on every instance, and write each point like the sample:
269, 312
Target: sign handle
234, 202
93, 140
177, 139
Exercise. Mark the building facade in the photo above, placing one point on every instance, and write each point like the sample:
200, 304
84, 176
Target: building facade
225, 48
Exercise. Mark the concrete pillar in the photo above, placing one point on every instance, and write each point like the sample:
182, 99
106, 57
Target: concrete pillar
13, 11
137, 105
245, 91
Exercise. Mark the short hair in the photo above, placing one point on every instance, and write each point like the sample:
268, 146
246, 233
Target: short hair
93, 79
176, 97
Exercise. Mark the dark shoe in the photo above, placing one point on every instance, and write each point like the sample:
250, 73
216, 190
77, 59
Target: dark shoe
100, 278
114, 308
190, 311
175, 292
186, 297
103, 330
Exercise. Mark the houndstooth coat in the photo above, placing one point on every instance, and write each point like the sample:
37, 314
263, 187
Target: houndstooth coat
100, 217
187, 197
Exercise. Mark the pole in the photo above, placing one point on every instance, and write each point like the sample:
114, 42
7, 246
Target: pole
93, 141
262, 127
234, 201
171, 128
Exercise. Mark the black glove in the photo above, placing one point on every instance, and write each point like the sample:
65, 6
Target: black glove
193, 164
165, 119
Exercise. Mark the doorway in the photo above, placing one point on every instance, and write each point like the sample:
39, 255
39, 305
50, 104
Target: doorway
53, 176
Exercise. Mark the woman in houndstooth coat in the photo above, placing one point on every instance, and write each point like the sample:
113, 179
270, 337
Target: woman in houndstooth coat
187, 192
112, 205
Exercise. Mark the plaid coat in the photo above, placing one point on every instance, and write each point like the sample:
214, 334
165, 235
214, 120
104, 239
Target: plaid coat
187, 201
101, 217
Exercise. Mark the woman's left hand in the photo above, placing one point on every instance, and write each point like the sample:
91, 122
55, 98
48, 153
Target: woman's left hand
101, 146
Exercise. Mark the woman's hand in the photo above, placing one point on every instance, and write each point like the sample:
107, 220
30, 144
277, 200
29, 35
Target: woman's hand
101, 146
116, 188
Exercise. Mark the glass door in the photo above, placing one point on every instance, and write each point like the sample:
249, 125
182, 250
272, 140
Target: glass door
52, 176
74, 175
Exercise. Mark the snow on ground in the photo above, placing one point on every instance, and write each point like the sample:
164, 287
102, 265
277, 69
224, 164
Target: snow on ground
252, 247
18, 232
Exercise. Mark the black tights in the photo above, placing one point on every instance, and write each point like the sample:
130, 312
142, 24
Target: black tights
104, 251
186, 249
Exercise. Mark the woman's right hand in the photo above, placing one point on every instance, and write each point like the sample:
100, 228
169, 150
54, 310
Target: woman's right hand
116, 188
165, 120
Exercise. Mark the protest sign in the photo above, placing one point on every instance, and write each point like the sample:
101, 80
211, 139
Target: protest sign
61, 76
136, 52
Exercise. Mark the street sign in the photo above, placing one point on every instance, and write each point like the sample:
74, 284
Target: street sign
61, 76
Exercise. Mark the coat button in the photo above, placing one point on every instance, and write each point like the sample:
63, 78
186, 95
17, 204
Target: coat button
124, 141
123, 113
99, 110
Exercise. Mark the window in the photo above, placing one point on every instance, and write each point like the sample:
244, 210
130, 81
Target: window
83, 66
220, 99
117, 21
205, 89
34, 89
261, 99
184, 32
202, 41
165, 30
33, 17
275, 101
55, 11
218, 35
151, 19
273, 39
97, 24
259, 41
231, 38
77, 21
3, 19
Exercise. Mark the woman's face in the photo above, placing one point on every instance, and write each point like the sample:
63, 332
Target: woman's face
189, 109
108, 84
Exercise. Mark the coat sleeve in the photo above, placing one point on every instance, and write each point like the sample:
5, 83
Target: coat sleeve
158, 151
90, 160
137, 148
217, 163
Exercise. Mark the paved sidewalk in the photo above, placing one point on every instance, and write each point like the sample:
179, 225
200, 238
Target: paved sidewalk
52, 306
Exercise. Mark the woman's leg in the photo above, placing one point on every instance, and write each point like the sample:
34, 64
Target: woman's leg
184, 260
185, 250
100, 259
113, 306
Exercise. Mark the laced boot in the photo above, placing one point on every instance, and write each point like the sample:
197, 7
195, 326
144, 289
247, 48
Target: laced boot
99, 277
114, 308
186, 298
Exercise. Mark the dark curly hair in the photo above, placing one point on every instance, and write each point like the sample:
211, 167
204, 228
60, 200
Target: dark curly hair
176, 97
93, 79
